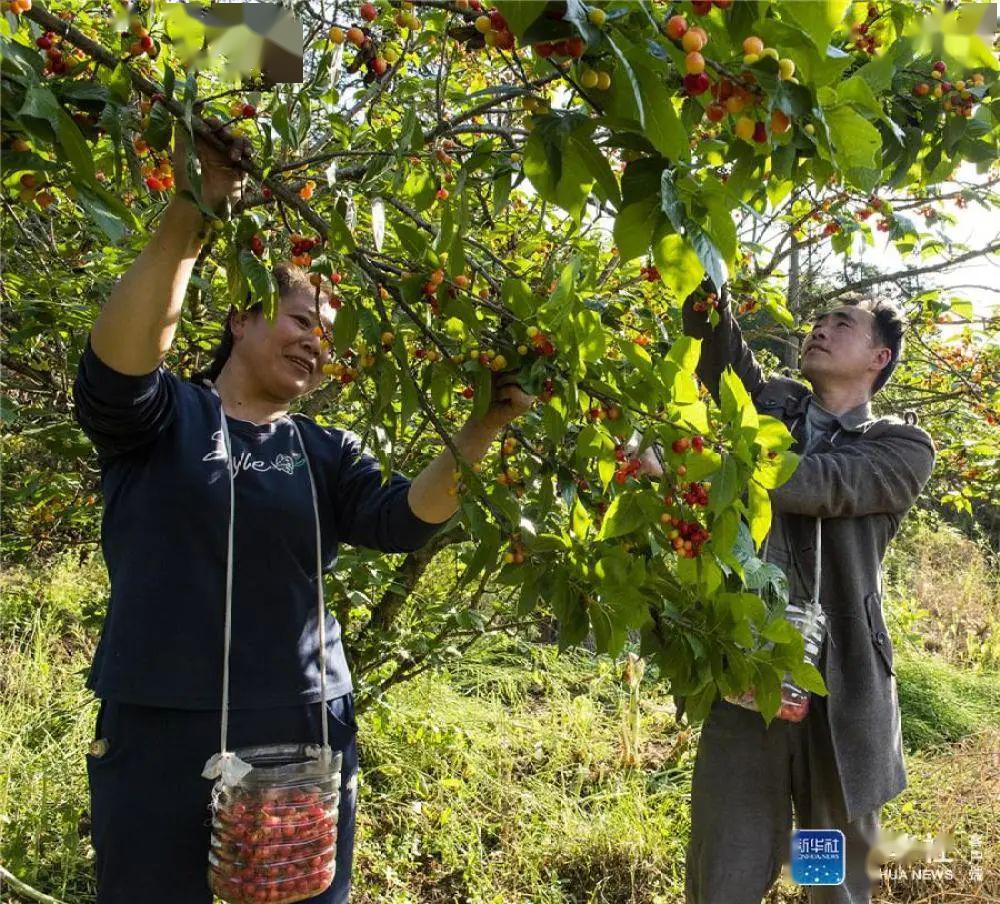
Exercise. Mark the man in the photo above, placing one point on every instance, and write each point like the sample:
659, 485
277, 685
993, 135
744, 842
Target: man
859, 475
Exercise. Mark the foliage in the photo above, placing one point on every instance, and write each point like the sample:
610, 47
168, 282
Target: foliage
461, 183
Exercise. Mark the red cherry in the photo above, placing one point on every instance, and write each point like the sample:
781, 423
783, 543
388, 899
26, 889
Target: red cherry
698, 443
702, 7
760, 133
544, 49
939, 66
147, 42
696, 83
249, 111
369, 12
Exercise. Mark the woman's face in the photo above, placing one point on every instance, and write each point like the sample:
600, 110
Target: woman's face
285, 357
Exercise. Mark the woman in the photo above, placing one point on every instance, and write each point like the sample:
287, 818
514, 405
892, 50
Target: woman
203, 476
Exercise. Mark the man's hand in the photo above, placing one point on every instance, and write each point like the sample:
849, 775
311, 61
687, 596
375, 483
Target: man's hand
220, 177
650, 464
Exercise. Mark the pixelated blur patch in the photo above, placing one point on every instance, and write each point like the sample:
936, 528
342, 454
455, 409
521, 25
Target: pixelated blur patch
243, 37
818, 856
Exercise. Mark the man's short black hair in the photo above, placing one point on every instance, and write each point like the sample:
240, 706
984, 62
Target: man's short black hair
890, 325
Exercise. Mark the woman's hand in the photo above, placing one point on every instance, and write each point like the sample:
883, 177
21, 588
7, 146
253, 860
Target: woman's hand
221, 177
509, 401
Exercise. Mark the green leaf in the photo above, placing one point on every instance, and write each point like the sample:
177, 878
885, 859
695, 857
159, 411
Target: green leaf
817, 18
856, 142
737, 407
105, 209
725, 528
772, 473
759, 512
519, 14
484, 392
441, 383
262, 284
685, 352
596, 164
41, 104
708, 253
633, 81
634, 226
858, 92
780, 630
662, 126
339, 235
487, 548
725, 485
680, 268
623, 516
808, 677
767, 690
580, 520
345, 327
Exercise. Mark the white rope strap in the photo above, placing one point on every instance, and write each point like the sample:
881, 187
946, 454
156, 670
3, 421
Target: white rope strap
320, 602
818, 567
227, 642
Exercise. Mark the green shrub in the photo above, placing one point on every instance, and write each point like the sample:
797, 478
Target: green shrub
942, 704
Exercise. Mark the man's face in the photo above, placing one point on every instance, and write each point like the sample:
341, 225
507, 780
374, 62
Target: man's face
286, 357
840, 348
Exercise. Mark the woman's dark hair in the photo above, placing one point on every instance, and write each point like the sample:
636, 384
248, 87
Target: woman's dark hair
890, 324
290, 279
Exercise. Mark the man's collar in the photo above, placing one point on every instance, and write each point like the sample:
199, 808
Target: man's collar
855, 419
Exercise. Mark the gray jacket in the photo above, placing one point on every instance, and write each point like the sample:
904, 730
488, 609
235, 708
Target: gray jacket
860, 480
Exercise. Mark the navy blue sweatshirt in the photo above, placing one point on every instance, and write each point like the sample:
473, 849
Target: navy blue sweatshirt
164, 536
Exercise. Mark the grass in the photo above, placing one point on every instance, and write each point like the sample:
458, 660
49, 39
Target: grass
502, 779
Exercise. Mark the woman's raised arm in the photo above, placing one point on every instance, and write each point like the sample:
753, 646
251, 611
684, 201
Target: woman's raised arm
135, 329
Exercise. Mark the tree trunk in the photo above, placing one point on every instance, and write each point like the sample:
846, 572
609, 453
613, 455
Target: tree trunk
789, 350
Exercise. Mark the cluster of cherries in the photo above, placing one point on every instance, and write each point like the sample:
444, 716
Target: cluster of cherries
696, 494
602, 412
711, 300
276, 845
627, 466
495, 30
859, 33
686, 537
301, 246
540, 340
54, 62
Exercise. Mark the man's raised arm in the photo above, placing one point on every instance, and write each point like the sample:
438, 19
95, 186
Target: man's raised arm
721, 346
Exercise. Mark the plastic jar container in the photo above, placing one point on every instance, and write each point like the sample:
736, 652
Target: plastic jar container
810, 621
274, 832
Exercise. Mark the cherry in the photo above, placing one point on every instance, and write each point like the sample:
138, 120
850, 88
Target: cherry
680, 446
702, 7
248, 111
368, 12
675, 27
698, 443
696, 83
380, 66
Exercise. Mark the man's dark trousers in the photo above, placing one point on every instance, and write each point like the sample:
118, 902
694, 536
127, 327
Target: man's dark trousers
747, 776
